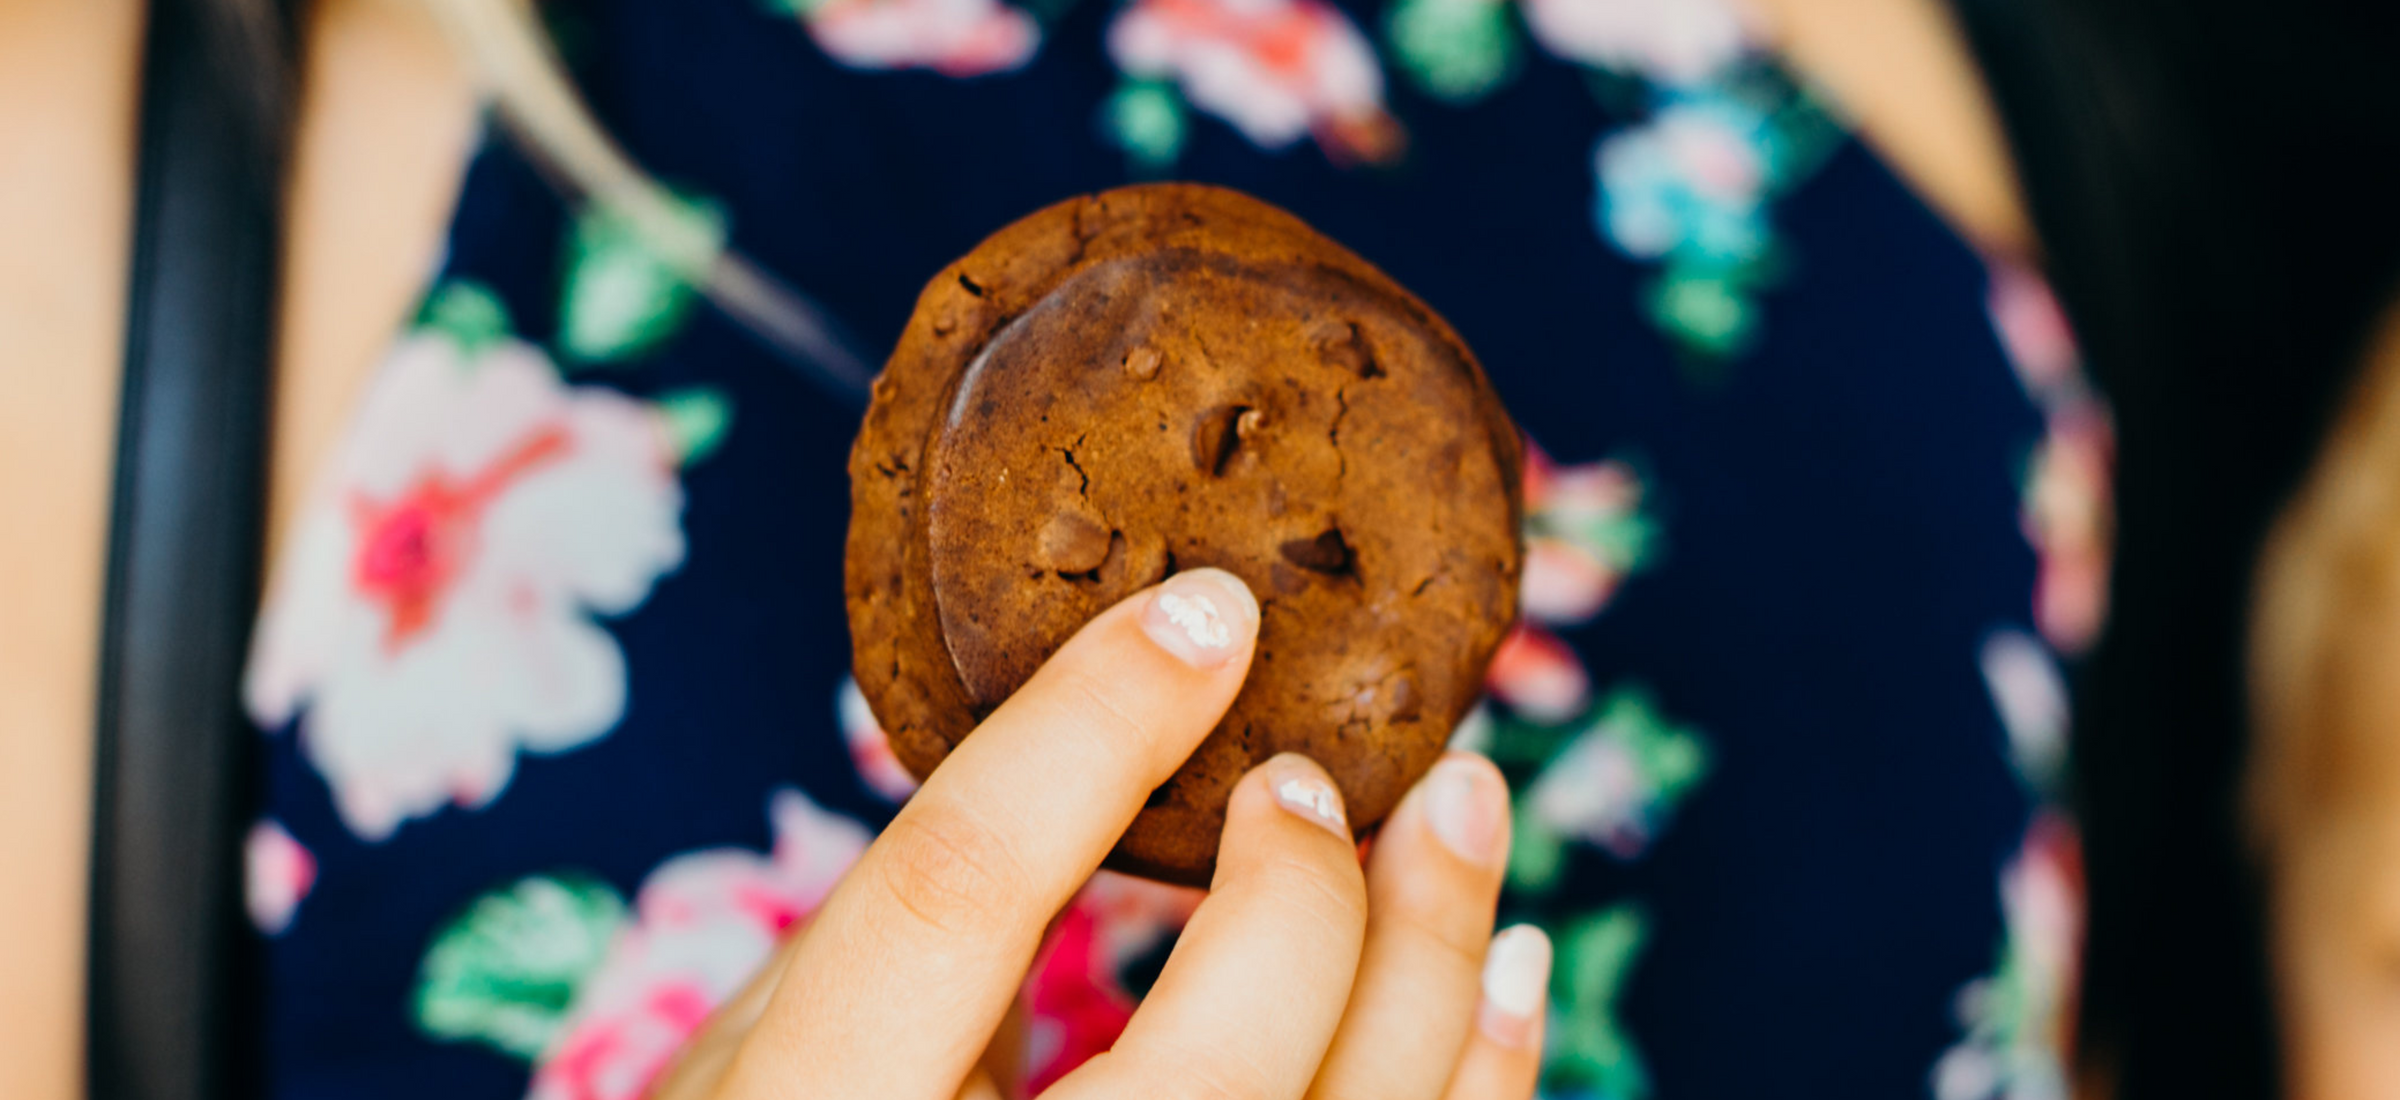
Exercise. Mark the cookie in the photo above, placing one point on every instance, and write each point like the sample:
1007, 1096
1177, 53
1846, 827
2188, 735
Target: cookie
1161, 378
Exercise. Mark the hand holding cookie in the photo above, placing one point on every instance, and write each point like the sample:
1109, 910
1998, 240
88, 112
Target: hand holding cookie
1301, 974
1162, 378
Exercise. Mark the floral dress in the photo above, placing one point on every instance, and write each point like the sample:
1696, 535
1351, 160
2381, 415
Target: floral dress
552, 674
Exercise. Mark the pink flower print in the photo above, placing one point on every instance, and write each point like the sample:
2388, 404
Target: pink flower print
1135, 913
870, 747
1670, 41
1594, 489
2042, 893
2068, 505
2020, 1018
957, 38
433, 615
2033, 329
703, 924
1596, 791
1276, 69
616, 1059
1076, 1006
2067, 512
411, 549
278, 873
1538, 676
1583, 533
1617, 782
1562, 584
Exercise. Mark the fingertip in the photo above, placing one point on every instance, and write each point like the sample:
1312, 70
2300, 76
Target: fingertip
1303, 789
1465, 804
1203, 617
1516, 984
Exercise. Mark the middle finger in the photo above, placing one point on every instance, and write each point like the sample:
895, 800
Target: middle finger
1433, 881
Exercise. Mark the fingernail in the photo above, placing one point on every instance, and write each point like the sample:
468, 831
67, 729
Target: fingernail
1515, 972
1301, 787
1466, 808
1203, 617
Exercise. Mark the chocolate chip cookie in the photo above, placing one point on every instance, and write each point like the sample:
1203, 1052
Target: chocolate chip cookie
1171, 376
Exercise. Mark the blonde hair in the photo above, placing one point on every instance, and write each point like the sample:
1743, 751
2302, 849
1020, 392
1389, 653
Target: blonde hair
503, 42
2325, 621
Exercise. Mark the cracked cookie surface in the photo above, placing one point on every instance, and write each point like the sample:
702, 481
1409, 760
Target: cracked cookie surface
1167, 377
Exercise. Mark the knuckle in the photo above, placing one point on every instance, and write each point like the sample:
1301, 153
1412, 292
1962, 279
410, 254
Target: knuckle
1452, 921
1092, 708
1460, 943
949, 871
1226, 1073
1319, 892
1379, 1087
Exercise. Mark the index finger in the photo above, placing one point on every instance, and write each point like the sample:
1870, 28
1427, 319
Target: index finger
898, 983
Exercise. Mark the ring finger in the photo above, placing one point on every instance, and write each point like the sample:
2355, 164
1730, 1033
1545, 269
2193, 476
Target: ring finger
1433, 881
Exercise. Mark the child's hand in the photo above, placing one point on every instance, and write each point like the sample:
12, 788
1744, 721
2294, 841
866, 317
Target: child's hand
1298, 976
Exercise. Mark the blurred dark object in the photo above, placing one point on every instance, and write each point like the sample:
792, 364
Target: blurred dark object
169, 951
2213, 188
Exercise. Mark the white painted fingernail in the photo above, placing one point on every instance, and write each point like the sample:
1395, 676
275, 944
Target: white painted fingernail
1467, 807
1516, 971
1301, 787
1203, 617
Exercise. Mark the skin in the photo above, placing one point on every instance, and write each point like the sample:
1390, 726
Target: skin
1296, 951
386, 123
2326, 786
2338, 955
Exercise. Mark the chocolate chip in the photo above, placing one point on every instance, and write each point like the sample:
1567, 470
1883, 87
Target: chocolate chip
1111, 567
1141, 364
1400, 702
1344, 346
1072, 543
1216, 436
1326, 553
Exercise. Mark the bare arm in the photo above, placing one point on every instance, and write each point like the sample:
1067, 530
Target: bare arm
1902, 71
386, 126
67, 92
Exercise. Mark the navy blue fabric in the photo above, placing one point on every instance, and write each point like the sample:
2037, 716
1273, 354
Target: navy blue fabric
1840, 520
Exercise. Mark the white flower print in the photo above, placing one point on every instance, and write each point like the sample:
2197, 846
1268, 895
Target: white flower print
703, 924
1671, 41
2030, 693
957, 38
2019, 1017
1538, 676
870, 747
433, 614
1277, 70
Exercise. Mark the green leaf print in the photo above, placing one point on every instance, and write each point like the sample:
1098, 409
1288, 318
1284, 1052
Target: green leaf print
1146, 119
504, 972
1672, 757
621, 297
696, 420
1589, 1051
468, 313
1710, 314
1613, 780
1626, 538
1536, 853
1458, 51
